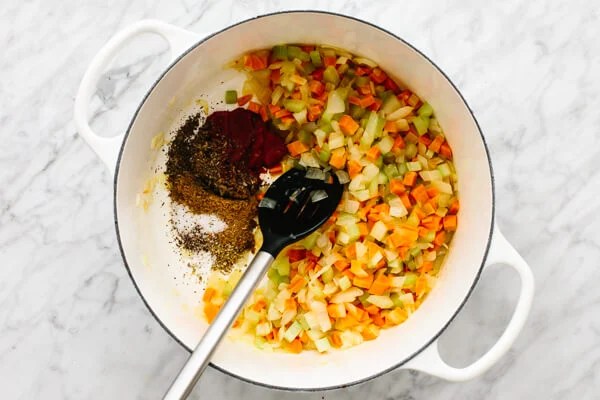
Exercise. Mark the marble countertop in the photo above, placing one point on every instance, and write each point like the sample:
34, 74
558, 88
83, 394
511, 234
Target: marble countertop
71, 323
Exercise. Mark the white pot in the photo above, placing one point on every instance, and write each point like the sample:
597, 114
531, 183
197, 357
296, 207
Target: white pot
198, 69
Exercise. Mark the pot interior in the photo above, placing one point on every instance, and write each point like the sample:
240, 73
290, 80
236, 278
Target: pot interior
162, 277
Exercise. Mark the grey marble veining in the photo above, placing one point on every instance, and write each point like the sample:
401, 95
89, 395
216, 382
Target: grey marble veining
71, 323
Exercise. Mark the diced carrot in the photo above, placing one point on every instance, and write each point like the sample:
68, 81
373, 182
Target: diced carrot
421, 285
296, 95
354, 168
397, 187
391, 85
362, 227
450, 222
426, 267
364, 282
425, 140
446, 151
436, 143
295, 346
316, 87
440, 237
315, 111
348, 322
376, 104
348, 125
254, 107
209, 293
454, 207
432, 222
355, 311
380, 285
391, 126
350, 251
410, 178
372, 249
378, 320
296, 148
419, 193
335, 339
336, 310
372, 309
368, 99
329, 61
362, 70
373, 153
348, 273
210, 311
370, 332
317, 74
260, 195
276, 169
419, 212
398, 143
404, 95
405, 200
241, 101
377, 75
297, 283
357, 268
259, 305
290, 305
295, 255
338, 158
404, 236
354, 100
273, 109
263, 114
341, 265
432, 192
275, 76
332, 237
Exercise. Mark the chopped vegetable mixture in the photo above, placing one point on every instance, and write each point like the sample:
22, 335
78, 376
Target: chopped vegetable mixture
372, 264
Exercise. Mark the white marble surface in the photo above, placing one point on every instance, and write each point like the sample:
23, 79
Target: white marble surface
72, 325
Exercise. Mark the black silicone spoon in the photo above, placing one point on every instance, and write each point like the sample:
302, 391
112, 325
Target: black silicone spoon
294, 206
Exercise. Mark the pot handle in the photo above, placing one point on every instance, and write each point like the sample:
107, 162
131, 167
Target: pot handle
430, 361
107, 148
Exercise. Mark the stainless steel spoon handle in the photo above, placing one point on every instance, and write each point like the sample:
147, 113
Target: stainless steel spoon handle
193, 368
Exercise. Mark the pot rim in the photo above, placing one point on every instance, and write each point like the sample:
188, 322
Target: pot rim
370, 25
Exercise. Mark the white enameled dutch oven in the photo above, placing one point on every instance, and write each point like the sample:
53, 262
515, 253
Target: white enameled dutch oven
160, 275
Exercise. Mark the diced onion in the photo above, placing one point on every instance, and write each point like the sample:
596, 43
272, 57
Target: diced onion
318, 195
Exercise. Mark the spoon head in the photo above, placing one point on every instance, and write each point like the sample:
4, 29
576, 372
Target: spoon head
296, 205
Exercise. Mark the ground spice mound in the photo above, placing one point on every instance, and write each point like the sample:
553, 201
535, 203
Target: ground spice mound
213, 168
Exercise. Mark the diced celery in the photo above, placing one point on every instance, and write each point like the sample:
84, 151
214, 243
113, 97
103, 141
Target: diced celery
353, 232
260, 342
442, 187
302, 320
390, 104
230, 96
373, 188
327, 276
283, 266
373, 129
379, 162
425, 110
444, 170
280, 52
310, 241
315, 58
431, 175
361, 195
428, 237
227, 289
421, 124
344, 283
331, 75
381, 301
251, 316
414, 166
325, 153
413, 220
382, 179
396, 300
402, 169
356, 111
294, 105
322, 345
378, 231
410, 151
410, 280
370, 171
391, 170
385, 144
296, 52
288, 68
274, 276
293, 331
